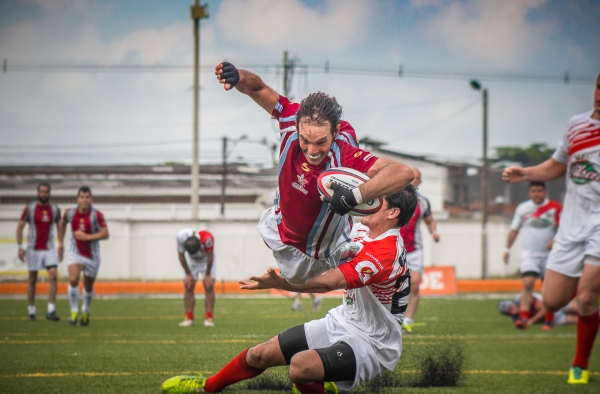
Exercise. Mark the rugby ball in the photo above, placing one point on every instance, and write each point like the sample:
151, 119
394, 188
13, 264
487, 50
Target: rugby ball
350, 179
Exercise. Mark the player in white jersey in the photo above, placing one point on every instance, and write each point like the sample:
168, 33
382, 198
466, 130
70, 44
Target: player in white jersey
41, 216
195, 250
537, 220
357, 341
574, 262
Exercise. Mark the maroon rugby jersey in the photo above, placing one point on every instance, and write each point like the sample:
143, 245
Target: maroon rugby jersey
40, 219
411, 232
304, 221
90, 223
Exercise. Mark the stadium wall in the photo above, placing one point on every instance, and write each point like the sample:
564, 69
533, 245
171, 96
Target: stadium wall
142, 243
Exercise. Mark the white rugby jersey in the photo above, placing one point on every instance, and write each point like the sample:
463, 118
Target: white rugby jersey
207, 244
377, 295
537, 225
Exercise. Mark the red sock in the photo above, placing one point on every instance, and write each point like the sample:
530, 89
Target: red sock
524, 315
313, 388
189, 315
237, 370
208, 315
587, 328
548, 317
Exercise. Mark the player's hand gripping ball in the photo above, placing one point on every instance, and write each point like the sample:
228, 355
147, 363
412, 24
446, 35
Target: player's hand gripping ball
336, 186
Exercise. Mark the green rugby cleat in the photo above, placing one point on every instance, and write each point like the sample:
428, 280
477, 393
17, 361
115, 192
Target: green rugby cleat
73, 319
184, 384
578, 376
85, 319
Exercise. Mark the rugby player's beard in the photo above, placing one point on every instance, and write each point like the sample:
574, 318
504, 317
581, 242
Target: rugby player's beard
43, 200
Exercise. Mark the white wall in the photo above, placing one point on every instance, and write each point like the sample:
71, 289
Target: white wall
142, 243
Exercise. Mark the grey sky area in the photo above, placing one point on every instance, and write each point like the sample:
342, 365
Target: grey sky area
57, 105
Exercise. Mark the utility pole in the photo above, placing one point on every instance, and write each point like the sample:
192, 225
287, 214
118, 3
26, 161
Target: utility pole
484, 188
197, 12
223, 176
288, 73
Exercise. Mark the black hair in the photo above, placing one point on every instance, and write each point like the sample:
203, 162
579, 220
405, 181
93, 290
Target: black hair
534, 183
192, 245
84, 189
318, 109
406, 200
43, 184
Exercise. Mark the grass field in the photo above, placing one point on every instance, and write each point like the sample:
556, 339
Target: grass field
132, 345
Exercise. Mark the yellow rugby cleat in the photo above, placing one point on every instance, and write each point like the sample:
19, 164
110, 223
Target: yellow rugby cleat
73, 319
407, 327
184, 384
578, 376
330, 388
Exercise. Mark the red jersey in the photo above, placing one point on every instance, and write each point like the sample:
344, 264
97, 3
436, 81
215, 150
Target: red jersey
411, 232
90, 223
41, 219
304, 221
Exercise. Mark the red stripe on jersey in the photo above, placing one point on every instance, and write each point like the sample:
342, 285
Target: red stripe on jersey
545, 208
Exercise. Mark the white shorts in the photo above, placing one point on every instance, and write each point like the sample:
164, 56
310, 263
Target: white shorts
536, 265
38, 260
567, 257
367, 364
416, 261
90, 266
200, 269
296, 267
560, 317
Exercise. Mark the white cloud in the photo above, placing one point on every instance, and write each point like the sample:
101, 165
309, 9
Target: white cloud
58, 5
290, 23
496, 32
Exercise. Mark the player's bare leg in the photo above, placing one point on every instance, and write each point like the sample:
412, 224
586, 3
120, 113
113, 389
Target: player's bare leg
31, 281
52, 288
413, 301
209, 304
526, 296
557, 290
73, 291
88, 295
189, 302
297, 304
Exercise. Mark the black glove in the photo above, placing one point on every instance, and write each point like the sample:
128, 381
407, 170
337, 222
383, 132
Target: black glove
342, 200
230, 74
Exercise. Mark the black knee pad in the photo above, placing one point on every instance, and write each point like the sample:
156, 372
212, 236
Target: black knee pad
292, 341
339, 362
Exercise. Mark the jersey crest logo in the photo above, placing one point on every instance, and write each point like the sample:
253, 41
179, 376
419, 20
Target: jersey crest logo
45, 217
349, 296
300, 184
357, 154
82, 224
305, 167
582, 171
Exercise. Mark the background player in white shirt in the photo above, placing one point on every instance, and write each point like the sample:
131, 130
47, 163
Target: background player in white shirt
413, 242
537, 219
195, 250
41, 216
357, 341
537, 312
574, 262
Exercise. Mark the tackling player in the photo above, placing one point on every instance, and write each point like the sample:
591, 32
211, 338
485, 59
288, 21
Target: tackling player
40, 253
413, 242
195, 250
538, 220
305, 233
87, 229
574, 262
357, 341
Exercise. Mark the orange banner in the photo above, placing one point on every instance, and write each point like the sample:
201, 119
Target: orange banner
438, 281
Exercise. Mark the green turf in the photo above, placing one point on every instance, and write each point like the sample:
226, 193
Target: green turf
132, 345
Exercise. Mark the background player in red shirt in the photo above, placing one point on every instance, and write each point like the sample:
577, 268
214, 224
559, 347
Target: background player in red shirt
356, 341
87, 229
40, 253
413, 241
307, 234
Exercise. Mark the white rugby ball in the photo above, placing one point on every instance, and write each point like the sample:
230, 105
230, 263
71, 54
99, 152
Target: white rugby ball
350, 179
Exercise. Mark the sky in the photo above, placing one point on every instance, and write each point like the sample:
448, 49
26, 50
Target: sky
52, 114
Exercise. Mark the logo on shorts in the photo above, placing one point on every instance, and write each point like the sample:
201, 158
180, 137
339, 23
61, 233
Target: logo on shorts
582, 171
300, 184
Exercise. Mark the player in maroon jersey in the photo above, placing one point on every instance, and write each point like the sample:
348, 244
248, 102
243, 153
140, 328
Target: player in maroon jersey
356, 341
413, 241
87, 229
306, 234
40, 254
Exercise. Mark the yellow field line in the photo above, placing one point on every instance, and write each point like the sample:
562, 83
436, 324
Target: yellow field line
130, 342
103, 374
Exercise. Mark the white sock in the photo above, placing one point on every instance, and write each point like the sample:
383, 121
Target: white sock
31, 309
74, 298
87, 301
408, 320
51, 307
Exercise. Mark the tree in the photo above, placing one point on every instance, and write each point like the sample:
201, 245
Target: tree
530, 156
